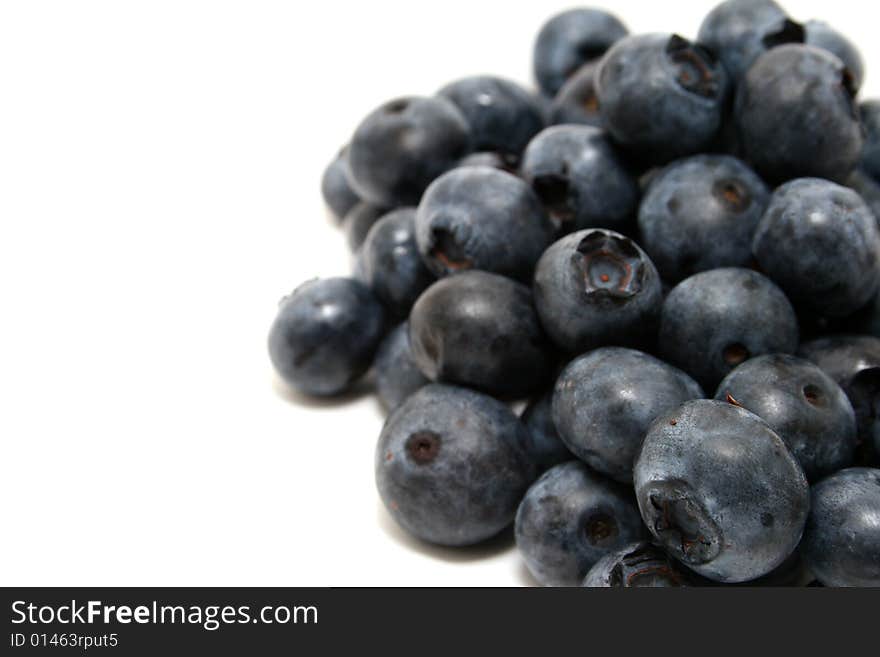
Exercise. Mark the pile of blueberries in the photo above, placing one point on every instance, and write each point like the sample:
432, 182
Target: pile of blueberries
672, 250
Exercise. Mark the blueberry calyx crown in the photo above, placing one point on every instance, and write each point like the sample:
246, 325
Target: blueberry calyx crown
732, 194
789, 31
642, 564
611, 265
422, 447
600, 528
554, 191
681, 523
695, 67
448, 252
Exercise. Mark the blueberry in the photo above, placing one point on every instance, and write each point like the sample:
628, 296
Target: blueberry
638, 565
605, 400
402, 146
393, 267
662, 95
544, 447
335, 188
738, 31
802, 404
569, 519
715, 320
868, 189
482, 218
580, 179
358, 222
842, 539
720, 491
480, 330
870, 115
502, 115
494, 159
576, 101
853, 361
325, 335
796, 115
571, 39
397, 375
597, 287
700, 213
821, 35
820, 243
449, 466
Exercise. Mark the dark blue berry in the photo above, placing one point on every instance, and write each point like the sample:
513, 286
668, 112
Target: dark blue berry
397, 375
715, 320
392, 265
738, 31
571, 39
480, 330
580, 179
605, 400
325, 335
700, 213
335, 188
449, 465
842, 538
544, 446
569, 519
720, 491
402, 146
597, 287
503, 116
661, 95
796, 115
802, 404
820, 243
482, 218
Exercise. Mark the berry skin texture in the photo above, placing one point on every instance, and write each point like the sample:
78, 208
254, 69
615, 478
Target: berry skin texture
393, 267
482, 218
605, 400
661, 95
715, 320
569, 519
700, 213
335, 188
720, 491
569, 40
820, 243
325, 335
741, 30
580, 179
597, 287
480, 330
796, 115
821, 35
503, 116
397, 375
358, 222
402, 146
870, 113
638, 565
576, 101
449, 467
868, 188
802, 404
842, 539
544, 446
853, 361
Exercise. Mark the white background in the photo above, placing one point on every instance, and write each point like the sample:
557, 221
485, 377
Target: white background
159, 192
